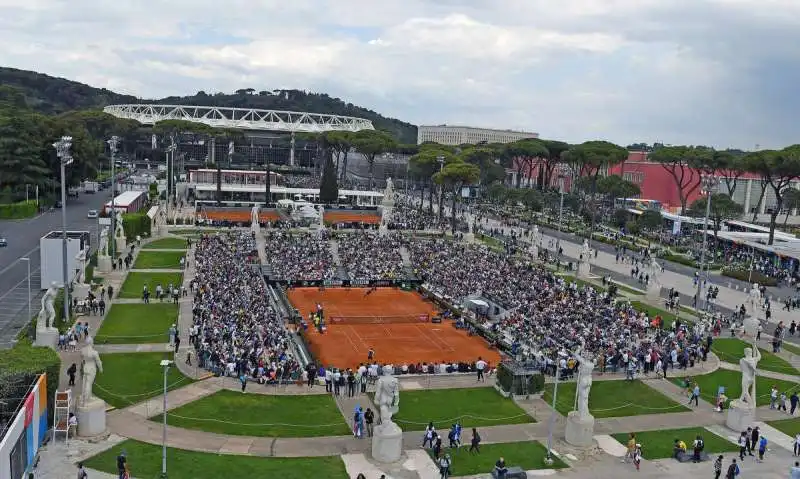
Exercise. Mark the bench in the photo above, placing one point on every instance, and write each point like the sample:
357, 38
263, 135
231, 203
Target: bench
514, 472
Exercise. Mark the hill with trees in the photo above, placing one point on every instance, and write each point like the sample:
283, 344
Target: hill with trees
51, 95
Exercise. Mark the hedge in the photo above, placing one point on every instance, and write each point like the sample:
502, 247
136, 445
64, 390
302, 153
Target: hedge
744, 275
22, 209
507, 382
19, 367
136, 224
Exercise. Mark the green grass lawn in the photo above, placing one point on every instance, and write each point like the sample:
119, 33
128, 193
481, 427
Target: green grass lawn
732, 381
658, 444
528, 455
158, 260
624, 287
614, 399
137, 323
144, 461
790, 427
130, 378
166, 243
134, 282
475, 407
231, 412
790, 348
652, 312
731, 350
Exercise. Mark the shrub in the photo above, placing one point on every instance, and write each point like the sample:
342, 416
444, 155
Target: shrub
515, 385
19, 367
136, 224
744, 275
89, 273
22, 209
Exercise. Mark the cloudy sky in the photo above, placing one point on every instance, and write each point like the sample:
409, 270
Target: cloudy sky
717, 72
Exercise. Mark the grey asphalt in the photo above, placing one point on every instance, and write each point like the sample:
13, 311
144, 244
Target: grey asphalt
23, 240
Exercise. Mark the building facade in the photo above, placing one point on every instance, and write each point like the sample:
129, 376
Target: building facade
461, 135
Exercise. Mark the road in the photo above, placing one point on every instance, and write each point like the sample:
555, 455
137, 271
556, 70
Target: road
23, 241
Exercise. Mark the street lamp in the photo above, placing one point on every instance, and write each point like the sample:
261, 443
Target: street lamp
440, 159
548, 460
165, 363
62, 147
708, 183
27, 259
560, 211
113, 145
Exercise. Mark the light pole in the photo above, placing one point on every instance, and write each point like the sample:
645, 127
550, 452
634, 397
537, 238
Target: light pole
113, 144
62, 147
170, 178
440, 159
548, 460
560, 212
709, 182
27, 259
165, 363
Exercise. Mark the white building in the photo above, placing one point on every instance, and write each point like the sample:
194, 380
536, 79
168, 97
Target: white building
460, 135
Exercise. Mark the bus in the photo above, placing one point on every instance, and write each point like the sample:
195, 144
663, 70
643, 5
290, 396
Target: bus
637, 204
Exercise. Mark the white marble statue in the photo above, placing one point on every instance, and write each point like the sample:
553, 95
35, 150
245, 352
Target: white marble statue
389, 186
119, 231
748, 364
47, 315
586, 252
102, 249
91, 364
585, 368
755, 297
387, 396
536, 236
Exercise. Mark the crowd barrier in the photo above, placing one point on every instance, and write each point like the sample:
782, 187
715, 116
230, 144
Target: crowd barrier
346, 283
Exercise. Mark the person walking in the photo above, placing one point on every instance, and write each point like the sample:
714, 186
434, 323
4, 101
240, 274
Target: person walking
797, 444
122, 465
793, 400
444, 466
71, 371
754, 439
480, 366
762, 448
695, 395
369, 417
794, 472
718, 467
430, 433
475, 443
82, 472
743, 444
733, 470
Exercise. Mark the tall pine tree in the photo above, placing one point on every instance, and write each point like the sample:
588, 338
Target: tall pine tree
329, 188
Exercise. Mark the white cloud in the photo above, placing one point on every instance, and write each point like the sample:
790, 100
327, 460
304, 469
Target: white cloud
695, 71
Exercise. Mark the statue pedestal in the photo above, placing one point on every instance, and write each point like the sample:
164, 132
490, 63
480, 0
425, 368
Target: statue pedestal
580, 430
750, 326
91, 418
740, 416
387, 443
653, 291
104, 264
46, 337
162, 229
583, 269
122, 246
534, 252
469, 238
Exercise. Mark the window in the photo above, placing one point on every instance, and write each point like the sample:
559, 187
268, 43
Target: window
635, 177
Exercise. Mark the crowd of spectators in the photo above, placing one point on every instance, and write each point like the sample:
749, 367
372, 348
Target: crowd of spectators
406, 216
301, 181
299, 256
549, 316
369, 256
234, 330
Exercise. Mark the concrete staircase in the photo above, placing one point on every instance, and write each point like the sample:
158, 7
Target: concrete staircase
341, 271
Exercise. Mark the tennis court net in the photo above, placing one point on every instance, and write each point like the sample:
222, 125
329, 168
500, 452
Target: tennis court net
398, 319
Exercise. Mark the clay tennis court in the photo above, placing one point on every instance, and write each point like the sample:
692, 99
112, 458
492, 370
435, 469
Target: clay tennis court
345, 344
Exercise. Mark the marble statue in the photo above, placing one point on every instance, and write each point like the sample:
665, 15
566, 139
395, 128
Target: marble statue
254, 215
755, 297
748, 365
389, 186
387, 396
586, 252
536, 236
102, 249
585, 368
47, 315
91, 364
119, 231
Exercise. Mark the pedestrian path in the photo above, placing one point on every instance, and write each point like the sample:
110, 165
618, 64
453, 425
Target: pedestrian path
776, 437
763, 373
132, 348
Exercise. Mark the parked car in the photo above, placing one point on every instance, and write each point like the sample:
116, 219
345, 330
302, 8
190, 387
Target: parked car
3, 242
58, 204
92, 214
